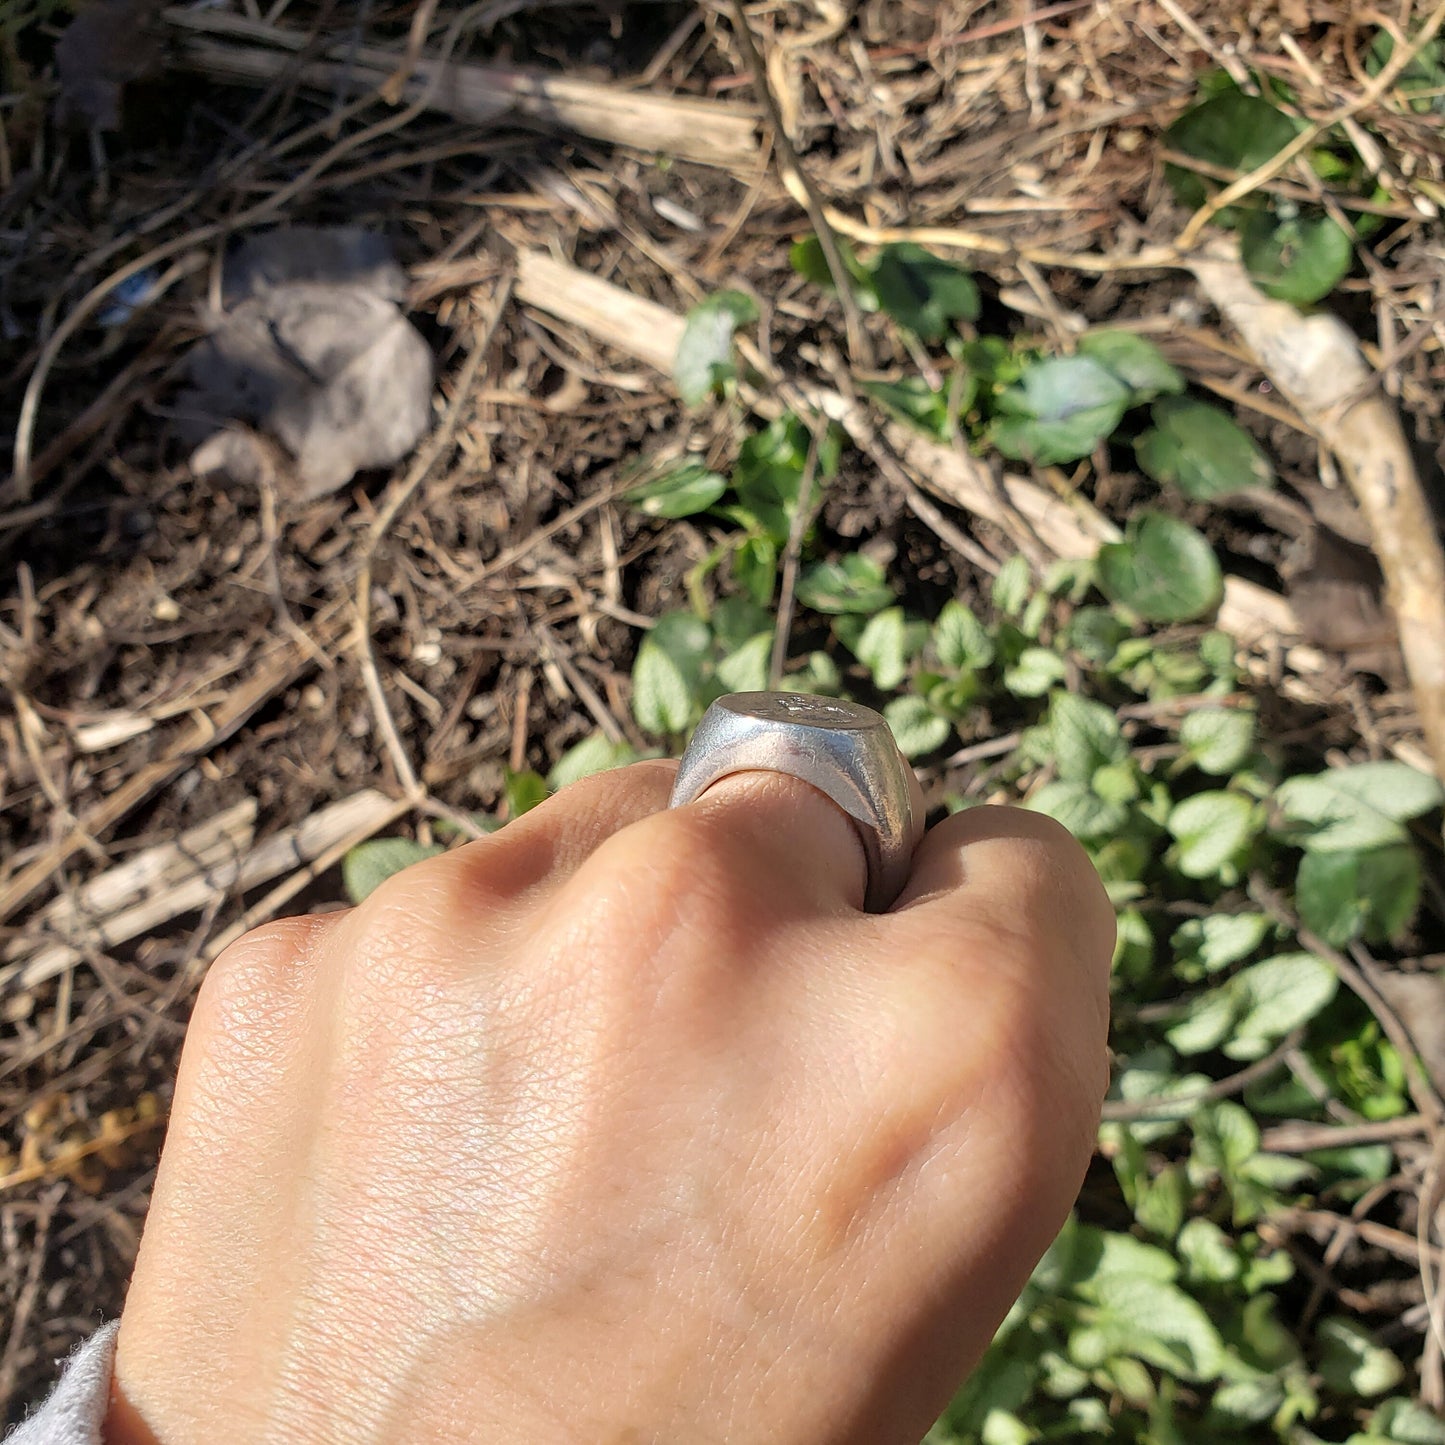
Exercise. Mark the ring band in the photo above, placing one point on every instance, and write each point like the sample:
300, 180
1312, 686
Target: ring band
843, 749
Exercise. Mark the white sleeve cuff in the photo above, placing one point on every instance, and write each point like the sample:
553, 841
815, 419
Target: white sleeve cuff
75, 1410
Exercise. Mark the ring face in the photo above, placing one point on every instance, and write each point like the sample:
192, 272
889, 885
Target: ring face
843, 749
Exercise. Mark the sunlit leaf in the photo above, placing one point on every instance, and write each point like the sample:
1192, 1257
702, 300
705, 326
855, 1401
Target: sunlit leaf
1358, 807
917, 729
704, 354
679, 492
1164, 570
1059, 410
594, 754
1135, 361
668, 676
1211, 830
854, 583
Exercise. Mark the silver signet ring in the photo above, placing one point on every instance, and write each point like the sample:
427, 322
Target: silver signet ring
844, 750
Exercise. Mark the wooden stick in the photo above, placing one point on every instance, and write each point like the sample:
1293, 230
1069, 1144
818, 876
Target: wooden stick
1316, 362
239, 869
711, 132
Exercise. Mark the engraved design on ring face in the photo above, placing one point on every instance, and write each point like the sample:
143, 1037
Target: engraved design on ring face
813, 711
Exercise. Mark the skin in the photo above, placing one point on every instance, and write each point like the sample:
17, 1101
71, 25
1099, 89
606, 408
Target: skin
625, 1125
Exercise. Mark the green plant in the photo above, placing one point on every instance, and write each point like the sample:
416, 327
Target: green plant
1295, 249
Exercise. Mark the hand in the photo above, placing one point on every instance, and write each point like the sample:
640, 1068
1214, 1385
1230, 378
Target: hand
625, 1125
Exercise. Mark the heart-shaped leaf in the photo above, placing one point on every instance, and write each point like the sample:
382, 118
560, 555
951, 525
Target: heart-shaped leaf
1202, 451
704, 354
1236, 131
922, 291
1299, 258
1164, 570
1059, 410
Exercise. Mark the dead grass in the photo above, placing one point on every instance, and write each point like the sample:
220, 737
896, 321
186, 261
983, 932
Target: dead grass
260, 676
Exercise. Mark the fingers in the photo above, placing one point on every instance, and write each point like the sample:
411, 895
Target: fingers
1004, 935
533, 854
1009, 871
770, 837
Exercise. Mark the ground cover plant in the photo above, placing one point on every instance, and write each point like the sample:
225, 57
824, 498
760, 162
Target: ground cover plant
934, 411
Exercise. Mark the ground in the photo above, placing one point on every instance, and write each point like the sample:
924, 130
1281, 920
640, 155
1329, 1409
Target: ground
182, 653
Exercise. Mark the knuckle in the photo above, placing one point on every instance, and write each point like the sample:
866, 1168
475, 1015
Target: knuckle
683, 855
252, 987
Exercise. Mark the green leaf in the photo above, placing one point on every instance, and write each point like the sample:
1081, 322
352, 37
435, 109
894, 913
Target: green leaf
1342, 895
917, 729
922, 291
961, 640
1237, 131
1096, 633
885, 647
912, 400
523, 791
1299, 258
1246, 1402
704, 354
1086, 815
1218, 740
1208, 1020
768, 477
1011, 588
1201, 450
1276, 996
1219, 939
1036, 671
854, 583
1138, 363
1351, 1363
681, 491
736, 619
1059, 411
1164, 570
1208, 1253
755, 567
745, 669
1358, 807
368, 865
806, 257
1211, 830
819, 676
667, 678
595, 754
1402, 1422
1425, 72
1085, 736
1158, 1323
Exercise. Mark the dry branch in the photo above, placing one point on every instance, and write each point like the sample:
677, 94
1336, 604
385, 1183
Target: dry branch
1315, 362
715, 133
172, 879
